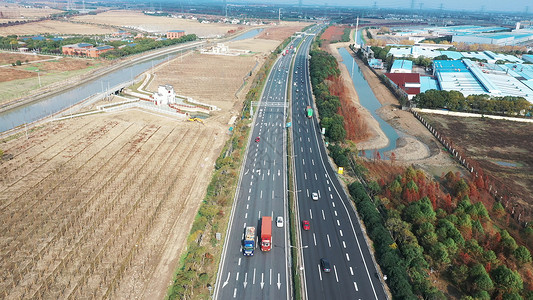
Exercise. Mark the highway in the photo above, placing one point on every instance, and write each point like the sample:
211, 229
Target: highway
262, 191
335, 233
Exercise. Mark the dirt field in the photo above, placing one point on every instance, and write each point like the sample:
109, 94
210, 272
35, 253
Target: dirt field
492, 143
55, 27
21, 80
156, 24
213, 79
333, 33
281, 32
255, 45
14, 12
90, 207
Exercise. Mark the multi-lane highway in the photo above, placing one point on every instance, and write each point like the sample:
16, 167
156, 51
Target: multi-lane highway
334, 231
261, 192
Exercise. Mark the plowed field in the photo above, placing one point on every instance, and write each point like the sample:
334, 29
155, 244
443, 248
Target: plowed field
99, 207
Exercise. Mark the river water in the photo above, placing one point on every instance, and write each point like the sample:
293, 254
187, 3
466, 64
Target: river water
369, 101
53, 104
247, 35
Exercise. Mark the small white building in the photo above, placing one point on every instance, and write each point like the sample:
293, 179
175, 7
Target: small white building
165, 95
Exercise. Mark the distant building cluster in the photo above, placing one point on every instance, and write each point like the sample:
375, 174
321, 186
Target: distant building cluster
470, 34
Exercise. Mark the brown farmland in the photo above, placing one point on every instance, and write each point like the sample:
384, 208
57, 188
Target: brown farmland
491, 143
92, 207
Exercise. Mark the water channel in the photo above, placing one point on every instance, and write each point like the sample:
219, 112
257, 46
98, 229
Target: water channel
50, 105
247, 35
369, 101
53, 104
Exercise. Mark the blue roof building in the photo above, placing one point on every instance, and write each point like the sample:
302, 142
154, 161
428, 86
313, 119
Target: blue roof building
402, 66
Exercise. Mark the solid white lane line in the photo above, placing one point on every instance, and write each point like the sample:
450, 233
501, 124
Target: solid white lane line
319, 272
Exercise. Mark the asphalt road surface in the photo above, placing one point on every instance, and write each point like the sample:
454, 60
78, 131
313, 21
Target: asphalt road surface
335, 233
262, 191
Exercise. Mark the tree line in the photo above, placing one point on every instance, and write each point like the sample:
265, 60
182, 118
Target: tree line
143, 45
484, 104
321, 66
54, 46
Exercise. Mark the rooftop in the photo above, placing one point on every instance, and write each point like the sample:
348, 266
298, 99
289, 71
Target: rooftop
449, 66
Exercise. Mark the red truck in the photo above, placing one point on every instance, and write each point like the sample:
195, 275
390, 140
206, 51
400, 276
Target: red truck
266, 233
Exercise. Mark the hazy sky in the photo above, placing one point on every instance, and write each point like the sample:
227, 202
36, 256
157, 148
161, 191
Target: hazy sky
475, 5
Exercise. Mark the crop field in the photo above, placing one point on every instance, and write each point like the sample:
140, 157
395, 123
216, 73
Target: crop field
14, 12
17, 81
100, 206
138, 20
503, 150
55, 27
207, 78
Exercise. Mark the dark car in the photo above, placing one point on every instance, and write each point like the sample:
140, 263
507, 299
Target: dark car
324, 264
306, 225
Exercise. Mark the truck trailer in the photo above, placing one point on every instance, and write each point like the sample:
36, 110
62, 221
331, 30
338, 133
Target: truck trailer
309, 111
266, 233
249, 241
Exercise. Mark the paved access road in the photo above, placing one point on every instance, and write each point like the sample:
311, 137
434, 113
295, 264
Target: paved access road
334, 232
262, 191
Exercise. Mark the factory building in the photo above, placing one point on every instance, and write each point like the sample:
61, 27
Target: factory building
175, 34
402, 66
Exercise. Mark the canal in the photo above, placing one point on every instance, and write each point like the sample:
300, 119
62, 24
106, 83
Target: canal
369, 101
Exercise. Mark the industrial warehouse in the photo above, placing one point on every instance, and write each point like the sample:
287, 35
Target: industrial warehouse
471, 73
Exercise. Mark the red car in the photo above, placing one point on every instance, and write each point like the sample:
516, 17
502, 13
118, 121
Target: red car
306, 225
257, 139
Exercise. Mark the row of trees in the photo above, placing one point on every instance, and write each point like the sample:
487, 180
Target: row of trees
455, 101
143, 45
323, 65
458, 238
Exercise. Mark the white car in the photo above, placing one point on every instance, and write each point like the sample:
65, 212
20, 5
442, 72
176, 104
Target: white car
314, 196
279, 222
